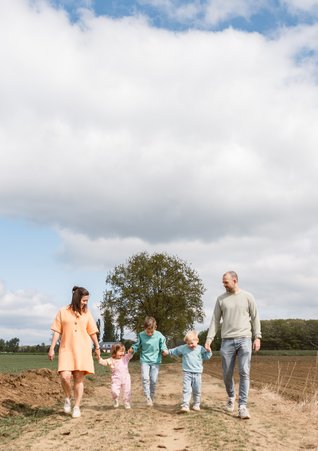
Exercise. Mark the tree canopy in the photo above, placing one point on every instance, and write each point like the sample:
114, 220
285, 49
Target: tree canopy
157, 285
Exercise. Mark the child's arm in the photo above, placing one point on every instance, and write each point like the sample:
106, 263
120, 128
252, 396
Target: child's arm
176, 352
136, 346
128, 356
105, 362
163, 345
206, 355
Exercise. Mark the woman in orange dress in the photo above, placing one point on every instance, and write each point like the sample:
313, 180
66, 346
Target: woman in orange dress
74, 325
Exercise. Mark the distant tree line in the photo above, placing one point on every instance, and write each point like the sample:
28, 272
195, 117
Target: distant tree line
281, 334
13, 345
278, 334
9, 345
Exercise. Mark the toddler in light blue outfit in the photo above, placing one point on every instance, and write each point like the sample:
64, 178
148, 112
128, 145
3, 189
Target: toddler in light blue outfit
193, 355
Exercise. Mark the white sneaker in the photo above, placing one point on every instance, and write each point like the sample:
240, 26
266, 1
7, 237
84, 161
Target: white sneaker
230, 404
184, 409
116, 403
127, 405
196, 407
67, 405
76, 412
243, 413
149, 402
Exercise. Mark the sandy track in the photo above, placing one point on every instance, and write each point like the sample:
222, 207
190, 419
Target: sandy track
276, 424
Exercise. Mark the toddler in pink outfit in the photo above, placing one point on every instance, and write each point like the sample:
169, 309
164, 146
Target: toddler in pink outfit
118, 364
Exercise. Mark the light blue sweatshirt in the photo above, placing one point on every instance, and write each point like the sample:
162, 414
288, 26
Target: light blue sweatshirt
192, 359
151, 347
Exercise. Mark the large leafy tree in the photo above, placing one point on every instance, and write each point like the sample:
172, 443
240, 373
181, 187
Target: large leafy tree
157, 285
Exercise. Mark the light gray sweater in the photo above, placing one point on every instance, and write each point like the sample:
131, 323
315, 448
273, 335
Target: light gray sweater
239, 314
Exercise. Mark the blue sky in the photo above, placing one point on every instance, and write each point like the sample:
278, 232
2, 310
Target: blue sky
187, 127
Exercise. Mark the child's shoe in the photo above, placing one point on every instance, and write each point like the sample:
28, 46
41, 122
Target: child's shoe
67, 406
149, 402
184, 409
76, 412
127, 405
116, 403
196, 407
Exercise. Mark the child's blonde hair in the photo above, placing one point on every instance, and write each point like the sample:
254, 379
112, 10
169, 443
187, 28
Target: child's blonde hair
115, 348
150, 323
192, 335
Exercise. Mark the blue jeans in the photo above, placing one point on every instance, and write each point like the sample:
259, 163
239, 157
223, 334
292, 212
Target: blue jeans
191, 384
242, 348
149, 378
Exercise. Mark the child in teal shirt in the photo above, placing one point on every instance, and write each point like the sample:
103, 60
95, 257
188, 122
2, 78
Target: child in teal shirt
151, 344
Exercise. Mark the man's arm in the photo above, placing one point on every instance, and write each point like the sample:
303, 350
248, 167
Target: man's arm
214, 325
256, 324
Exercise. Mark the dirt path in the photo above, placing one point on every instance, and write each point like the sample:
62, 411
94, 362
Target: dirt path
276, 424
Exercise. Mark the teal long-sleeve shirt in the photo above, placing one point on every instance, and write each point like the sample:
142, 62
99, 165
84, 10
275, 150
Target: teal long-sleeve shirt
151, 347
192, 359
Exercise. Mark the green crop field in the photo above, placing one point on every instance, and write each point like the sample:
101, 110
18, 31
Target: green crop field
15, 362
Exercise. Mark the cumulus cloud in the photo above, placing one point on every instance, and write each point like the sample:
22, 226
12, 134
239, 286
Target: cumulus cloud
299, 6
163, 137
26, 315
207, 13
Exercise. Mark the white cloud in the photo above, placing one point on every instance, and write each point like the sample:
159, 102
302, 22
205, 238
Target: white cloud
26, 315
298, 6
207, 13
159, 139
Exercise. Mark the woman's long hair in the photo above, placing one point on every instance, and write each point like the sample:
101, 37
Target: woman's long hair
78, 293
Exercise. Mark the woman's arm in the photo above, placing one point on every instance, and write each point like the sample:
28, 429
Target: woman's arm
96, 344
55, 339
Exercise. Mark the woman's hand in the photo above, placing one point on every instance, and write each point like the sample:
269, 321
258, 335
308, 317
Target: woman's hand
51, 354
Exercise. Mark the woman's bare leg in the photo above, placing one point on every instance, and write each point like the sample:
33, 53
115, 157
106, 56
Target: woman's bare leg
66, 381
78, 387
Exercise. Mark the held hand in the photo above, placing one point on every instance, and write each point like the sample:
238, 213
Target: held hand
208, 347
165, 353
256, 344
97, 354
130, 350
51, 354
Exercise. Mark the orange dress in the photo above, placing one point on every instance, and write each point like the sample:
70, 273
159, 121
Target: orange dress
75, 352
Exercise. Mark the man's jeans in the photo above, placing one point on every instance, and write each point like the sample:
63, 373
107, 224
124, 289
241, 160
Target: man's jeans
149, 377
191, 383
242, 348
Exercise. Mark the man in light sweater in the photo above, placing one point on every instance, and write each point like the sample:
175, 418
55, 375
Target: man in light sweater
238, 311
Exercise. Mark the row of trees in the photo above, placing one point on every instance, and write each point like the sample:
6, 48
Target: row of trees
9, 345
168, 289
13, 345
281, 334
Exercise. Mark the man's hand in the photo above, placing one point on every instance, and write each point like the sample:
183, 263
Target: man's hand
208, 347
256, 344
165, 353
